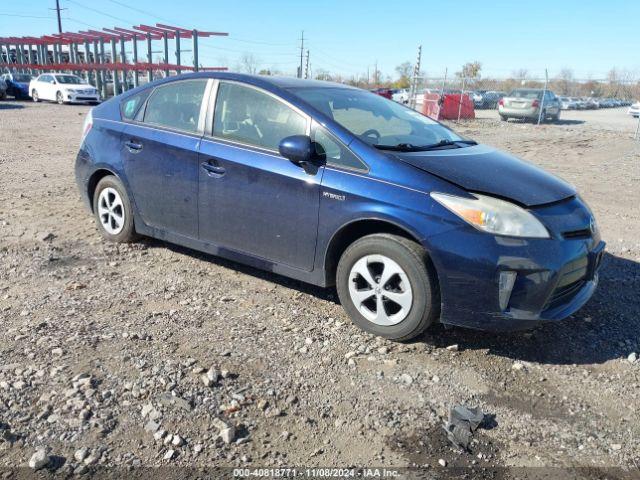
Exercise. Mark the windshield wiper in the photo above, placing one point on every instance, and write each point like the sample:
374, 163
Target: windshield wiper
400, 147
407, 147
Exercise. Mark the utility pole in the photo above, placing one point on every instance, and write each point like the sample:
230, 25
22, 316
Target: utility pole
544, 94
59, 19
375, 75
301, 54
413, 90
306, 67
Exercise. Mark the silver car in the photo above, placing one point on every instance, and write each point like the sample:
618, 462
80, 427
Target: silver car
526, 103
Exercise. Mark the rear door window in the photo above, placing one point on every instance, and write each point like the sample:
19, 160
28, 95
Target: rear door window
176, 105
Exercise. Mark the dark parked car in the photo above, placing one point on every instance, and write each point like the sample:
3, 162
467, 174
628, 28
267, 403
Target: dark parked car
17, 84
384, 92
489, 99
333, 185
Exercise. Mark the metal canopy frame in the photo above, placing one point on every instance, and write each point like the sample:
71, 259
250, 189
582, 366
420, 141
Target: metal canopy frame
86, 53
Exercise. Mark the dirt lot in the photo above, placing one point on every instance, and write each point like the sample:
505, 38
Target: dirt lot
102, 345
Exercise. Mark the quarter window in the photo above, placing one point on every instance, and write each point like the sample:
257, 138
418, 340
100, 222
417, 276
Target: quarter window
131, 105
333, 151
176, 105
253, 117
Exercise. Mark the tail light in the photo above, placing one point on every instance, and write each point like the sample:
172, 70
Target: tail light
501, 102
535, 104
88, 123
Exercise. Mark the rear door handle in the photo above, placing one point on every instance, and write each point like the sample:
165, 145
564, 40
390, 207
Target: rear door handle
132, 146
213, 170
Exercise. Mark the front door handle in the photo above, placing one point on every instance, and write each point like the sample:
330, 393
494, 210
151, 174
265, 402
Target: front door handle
213, 170
133, 146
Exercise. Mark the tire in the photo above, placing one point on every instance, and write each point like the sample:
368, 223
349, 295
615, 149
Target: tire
503, 118
374, 254
110, 201
59, 98
556, 117
34, 96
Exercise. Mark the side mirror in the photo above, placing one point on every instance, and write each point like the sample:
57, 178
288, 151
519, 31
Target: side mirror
300, 150
297, 148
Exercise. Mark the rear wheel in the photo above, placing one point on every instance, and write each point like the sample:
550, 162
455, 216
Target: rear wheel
386, 287
35, 96
112, 210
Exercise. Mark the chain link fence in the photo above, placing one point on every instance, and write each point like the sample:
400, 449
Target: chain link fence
455, 97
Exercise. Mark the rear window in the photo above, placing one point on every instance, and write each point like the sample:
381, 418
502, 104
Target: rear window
176, 105
526, 94
21, 78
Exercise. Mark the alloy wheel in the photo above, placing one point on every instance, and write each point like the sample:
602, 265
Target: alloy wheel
111, 211
380, 290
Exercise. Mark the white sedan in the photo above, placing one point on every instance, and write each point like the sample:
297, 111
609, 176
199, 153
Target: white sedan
62, 88
634, 110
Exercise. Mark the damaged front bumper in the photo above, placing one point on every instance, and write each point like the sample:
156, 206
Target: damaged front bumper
501, 283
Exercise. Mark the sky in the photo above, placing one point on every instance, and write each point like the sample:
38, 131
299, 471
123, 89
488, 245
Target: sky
349, 37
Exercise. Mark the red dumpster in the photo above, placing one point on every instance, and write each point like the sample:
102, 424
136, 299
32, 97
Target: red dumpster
447, 106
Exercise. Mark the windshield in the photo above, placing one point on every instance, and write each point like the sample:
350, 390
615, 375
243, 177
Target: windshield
22, 78
531, 94
69, 79
376, 120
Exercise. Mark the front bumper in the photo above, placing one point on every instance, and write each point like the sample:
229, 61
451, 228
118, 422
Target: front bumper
73, 97
554, 277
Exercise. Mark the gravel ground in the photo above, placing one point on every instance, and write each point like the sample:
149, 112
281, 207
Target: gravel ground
150, 354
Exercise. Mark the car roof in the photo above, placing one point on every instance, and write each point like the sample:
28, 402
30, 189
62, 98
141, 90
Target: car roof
263, 80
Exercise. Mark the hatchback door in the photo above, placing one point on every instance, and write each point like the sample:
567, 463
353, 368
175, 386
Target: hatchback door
251, 199
160, 152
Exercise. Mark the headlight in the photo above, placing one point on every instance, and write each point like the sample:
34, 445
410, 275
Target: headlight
493, 215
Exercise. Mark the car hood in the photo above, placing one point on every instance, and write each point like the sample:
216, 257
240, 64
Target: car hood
483, 169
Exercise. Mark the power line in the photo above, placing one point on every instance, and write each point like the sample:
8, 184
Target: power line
21, 15
256, 42
245, 51
74, 20
144, 12
98, 11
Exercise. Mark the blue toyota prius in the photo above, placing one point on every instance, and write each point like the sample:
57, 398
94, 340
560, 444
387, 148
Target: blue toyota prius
332, 185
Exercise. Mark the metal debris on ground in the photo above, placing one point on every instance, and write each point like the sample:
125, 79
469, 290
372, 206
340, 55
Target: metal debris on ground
463, 421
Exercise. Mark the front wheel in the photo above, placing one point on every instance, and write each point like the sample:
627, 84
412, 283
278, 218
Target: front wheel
387, 287
112, 210
59, 98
